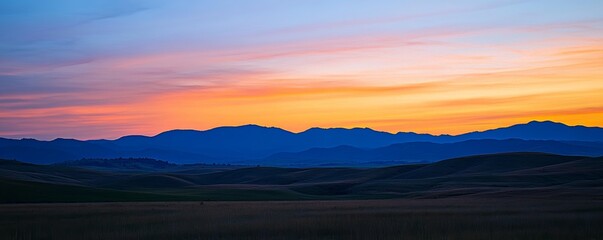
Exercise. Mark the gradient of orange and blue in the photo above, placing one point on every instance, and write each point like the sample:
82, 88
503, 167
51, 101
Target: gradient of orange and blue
102, 69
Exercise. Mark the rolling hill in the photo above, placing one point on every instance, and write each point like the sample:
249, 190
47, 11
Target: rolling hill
532, 175
126, 164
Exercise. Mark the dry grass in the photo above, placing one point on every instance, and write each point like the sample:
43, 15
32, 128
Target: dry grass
362, 219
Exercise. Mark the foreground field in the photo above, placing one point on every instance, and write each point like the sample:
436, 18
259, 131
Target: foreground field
354, 219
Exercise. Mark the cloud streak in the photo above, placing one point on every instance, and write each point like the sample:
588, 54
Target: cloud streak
105, 69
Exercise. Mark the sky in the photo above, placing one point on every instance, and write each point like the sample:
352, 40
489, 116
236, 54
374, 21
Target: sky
103, 69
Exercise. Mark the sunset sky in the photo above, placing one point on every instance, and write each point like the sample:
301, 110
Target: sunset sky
103, 69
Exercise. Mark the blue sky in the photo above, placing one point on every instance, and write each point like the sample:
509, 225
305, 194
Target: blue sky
65, 65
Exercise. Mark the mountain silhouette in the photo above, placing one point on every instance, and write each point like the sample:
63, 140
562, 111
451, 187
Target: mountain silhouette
244, 143
413, 152
535, 130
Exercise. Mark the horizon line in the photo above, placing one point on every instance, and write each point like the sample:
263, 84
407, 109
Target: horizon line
323, 128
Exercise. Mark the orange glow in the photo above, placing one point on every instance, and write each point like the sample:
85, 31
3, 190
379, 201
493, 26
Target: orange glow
385, 83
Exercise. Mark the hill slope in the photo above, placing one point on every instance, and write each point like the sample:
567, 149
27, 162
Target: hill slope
533, 175
425, 152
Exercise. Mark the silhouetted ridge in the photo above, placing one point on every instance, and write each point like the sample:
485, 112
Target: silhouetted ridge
427, 152
236, 144
540, 130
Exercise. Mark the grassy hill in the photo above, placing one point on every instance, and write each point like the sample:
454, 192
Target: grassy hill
533, 175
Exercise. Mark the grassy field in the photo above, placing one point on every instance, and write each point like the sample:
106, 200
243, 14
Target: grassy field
354, 219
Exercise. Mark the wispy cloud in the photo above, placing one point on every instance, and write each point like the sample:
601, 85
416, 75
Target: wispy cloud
109, 68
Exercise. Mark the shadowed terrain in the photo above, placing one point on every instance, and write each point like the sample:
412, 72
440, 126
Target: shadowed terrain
451, 218
315, 147
497, 196
533, 175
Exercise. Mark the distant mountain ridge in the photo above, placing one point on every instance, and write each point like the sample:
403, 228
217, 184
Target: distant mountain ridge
540, 130
419, 152
247, 142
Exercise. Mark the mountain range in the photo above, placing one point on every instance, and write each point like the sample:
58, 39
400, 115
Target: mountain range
424, 152
253, 144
